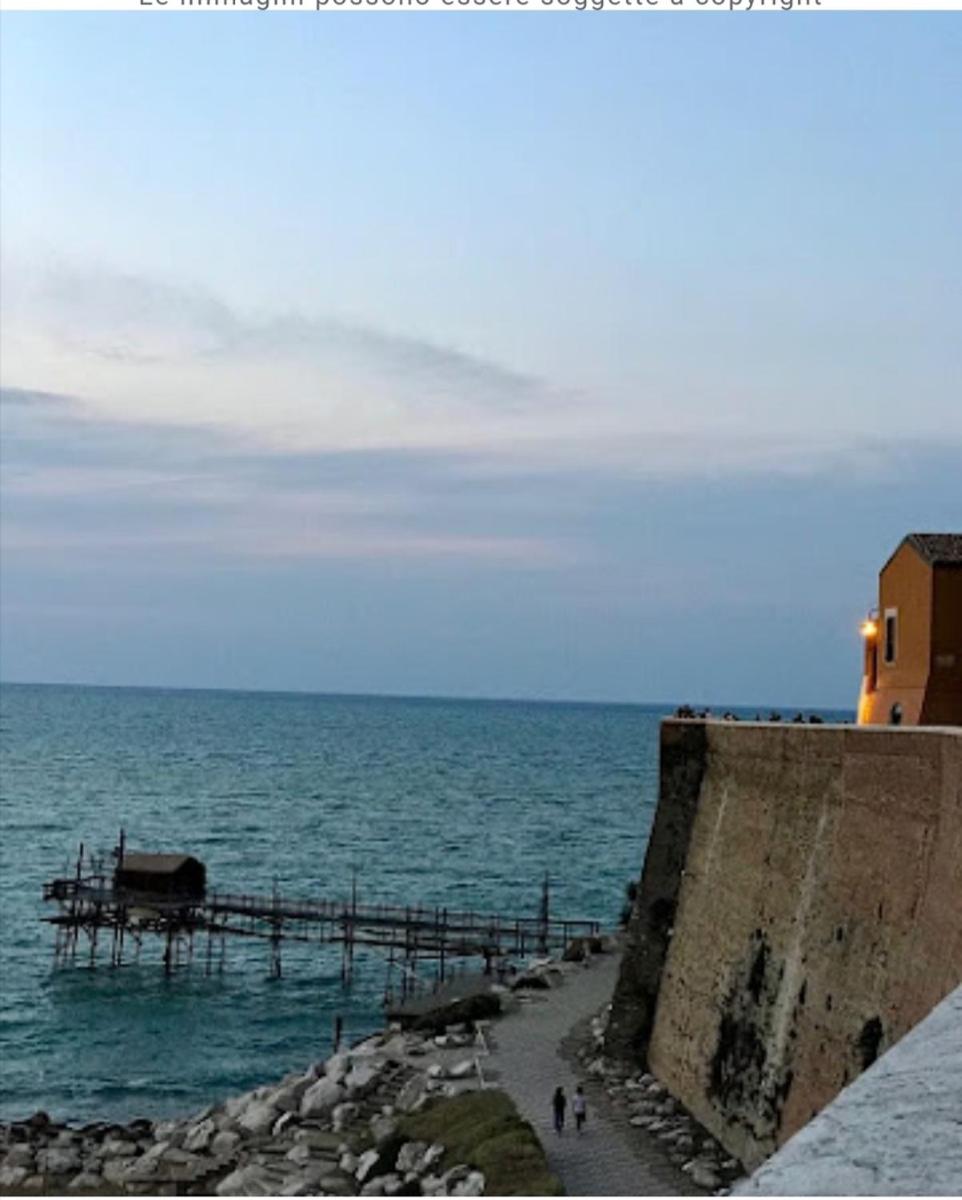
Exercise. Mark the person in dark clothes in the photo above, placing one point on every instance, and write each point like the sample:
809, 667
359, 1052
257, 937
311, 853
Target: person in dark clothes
559, 1102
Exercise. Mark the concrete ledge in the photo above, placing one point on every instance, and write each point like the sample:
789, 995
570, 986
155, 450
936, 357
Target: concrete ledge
895, 1131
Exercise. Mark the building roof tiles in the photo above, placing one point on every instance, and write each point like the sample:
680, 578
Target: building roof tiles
937, 549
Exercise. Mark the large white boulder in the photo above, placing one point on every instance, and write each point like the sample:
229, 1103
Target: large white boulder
337, 1066
410, 1157
289, 1095
20, 1155
258, 1117
343, 1114
473, 1185
251, 1180
365, 1165
361, 1078
224, 1143
321, 1097
234, 1107
200, 1136
60, 1160
87, 1181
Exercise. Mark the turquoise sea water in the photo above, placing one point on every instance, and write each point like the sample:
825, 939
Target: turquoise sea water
463, 803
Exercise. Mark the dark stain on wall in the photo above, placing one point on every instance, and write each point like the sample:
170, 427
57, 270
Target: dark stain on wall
869, 1041
744, 1082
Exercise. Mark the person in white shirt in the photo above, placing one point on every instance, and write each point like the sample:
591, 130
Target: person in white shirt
579, 1106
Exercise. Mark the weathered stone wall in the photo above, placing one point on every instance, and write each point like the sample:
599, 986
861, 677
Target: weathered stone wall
800, 910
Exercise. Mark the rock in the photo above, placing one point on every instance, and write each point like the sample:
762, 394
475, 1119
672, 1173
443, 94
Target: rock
462, 1069
410, 1094
234, 1107
337, 1185
115, 1170
383, 1129
86, 1181
365, 1165
284, 1121
224, 1143
575, 951
433, 1154
288, 1098
343, 1114
118, 1148
172, 1132
296, 1185
348, 1163
450, 1179
360, 1079
532, 980
251, 1180
472, 1186
369, 1046
20, 1156
59, 1160
299, 1155
431, 1185
375, 1187
705, 1176
337, 1066
12, 1177
324, 1140
411, 1157
39, 1120
258, 1117
321, 1097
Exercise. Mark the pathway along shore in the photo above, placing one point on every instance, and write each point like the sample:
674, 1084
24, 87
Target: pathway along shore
527, 1060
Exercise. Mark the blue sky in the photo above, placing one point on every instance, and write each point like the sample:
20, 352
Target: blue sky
578, 357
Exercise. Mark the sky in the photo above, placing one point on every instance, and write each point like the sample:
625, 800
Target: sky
590, 356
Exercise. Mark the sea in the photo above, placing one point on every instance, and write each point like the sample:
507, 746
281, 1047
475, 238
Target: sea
462, 803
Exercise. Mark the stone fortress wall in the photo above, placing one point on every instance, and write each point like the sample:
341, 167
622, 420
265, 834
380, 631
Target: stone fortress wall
800, 909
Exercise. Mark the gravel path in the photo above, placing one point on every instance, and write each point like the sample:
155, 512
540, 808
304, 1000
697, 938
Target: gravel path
527, 1061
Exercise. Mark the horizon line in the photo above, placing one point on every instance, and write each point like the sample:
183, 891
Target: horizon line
427, 696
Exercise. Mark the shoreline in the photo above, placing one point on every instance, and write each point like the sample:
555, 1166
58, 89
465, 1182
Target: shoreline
336, 1128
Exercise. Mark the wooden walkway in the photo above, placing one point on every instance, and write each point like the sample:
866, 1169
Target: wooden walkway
91, 907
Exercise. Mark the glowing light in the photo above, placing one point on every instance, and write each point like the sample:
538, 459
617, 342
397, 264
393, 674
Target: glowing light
869, 629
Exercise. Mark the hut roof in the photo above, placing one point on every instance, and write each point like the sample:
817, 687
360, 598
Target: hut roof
939, 549
156, 864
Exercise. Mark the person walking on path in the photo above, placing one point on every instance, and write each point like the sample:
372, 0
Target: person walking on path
559, 1102
579, 1106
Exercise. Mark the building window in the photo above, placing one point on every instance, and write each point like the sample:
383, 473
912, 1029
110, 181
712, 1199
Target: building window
891, 634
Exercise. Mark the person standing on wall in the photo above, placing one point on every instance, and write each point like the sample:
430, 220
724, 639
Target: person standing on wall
559, 1102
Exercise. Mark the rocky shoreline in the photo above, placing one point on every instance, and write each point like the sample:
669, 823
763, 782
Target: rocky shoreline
331, 1130
337, 1128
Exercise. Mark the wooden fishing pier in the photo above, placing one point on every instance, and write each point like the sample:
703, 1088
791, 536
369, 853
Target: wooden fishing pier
112, 902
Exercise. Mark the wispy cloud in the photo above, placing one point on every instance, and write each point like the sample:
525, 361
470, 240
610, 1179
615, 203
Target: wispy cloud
138, 349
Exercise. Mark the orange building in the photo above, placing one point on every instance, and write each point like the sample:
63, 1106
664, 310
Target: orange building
913, 642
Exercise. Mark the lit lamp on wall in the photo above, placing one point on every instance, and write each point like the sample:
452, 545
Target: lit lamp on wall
869, 632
